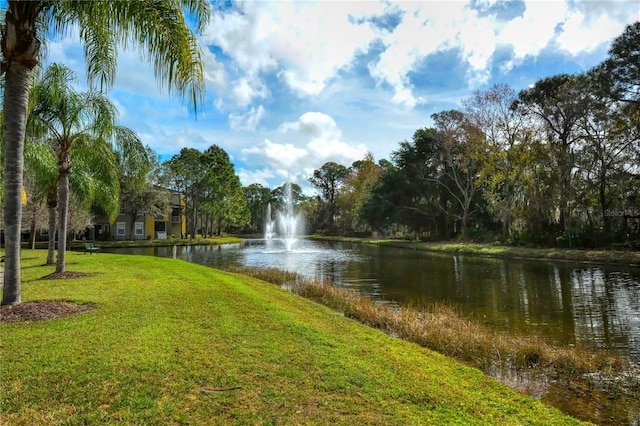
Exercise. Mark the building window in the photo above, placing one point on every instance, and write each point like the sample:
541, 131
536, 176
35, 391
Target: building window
139, 229
120, 229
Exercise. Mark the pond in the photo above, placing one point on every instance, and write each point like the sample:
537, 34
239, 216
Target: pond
564, 302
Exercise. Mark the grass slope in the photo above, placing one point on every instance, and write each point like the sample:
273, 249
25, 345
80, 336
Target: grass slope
178, 343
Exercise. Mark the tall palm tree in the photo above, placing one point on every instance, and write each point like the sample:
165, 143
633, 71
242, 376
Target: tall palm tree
158, 27
83, 123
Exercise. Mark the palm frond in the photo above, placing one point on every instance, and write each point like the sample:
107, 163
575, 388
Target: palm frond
157, 28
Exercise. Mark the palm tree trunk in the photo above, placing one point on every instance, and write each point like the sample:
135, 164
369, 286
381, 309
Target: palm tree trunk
52, 205
63, 207
51, 247
32, 232
16, 98
20, 48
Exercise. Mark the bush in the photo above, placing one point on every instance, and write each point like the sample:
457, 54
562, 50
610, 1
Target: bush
480, 235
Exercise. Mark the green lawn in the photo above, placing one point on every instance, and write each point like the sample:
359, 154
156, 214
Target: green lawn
168, 335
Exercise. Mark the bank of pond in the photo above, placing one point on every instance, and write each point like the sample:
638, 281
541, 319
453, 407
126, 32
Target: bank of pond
171, 342
578, 311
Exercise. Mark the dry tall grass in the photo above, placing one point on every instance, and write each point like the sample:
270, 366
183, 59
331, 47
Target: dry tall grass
444, 329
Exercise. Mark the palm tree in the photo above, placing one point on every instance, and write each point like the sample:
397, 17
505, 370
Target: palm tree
157, 27
85, 124
88, 180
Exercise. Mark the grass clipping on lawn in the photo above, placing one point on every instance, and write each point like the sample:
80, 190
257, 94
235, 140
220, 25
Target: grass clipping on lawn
171, 342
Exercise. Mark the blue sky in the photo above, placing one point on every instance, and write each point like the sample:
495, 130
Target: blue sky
291, 85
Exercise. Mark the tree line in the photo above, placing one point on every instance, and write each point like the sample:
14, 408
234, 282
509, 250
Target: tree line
557, 164
553, 165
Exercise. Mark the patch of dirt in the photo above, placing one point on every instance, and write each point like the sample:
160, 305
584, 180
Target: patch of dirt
40, 311
66, 275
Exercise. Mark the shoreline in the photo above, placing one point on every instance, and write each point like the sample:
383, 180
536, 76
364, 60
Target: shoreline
76, 245
608, 257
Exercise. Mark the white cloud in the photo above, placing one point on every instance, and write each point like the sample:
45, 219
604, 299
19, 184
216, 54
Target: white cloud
214, 72
313, 124
580, 35
478, 43
323, 41
246, 89
325, 139
532, 32
169, 140
324, 150
318, 140
248, 120
576, 27
284, 156
427, 28
261, 176
239, 33
307, 42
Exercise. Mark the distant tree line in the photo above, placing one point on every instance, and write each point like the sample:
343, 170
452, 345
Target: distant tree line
215, 201
557, 164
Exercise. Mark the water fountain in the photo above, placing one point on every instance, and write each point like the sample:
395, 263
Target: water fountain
288, 219
288, 222
269, 224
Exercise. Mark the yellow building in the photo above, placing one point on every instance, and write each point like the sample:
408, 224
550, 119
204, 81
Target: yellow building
173, 223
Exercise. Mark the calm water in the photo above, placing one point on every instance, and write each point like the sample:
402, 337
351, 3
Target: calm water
596, 306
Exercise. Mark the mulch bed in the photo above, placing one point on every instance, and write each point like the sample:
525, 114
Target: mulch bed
40, 311
45, 309
65, 275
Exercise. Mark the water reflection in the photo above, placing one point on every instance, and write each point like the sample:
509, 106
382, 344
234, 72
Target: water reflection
563, 302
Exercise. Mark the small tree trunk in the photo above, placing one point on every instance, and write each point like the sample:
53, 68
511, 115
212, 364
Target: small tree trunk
193, 224
63, 208
52, 204
32, 232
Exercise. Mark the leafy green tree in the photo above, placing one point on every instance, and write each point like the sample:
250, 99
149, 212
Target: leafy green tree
212, 190
160, 30
605, 160
462, 149
85, 122
356, 189
139, 193
224, 199
412, 185
329, 179
278, 195
559, 103
382, 207
505, 160
184, 171
257, 197
621, 70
